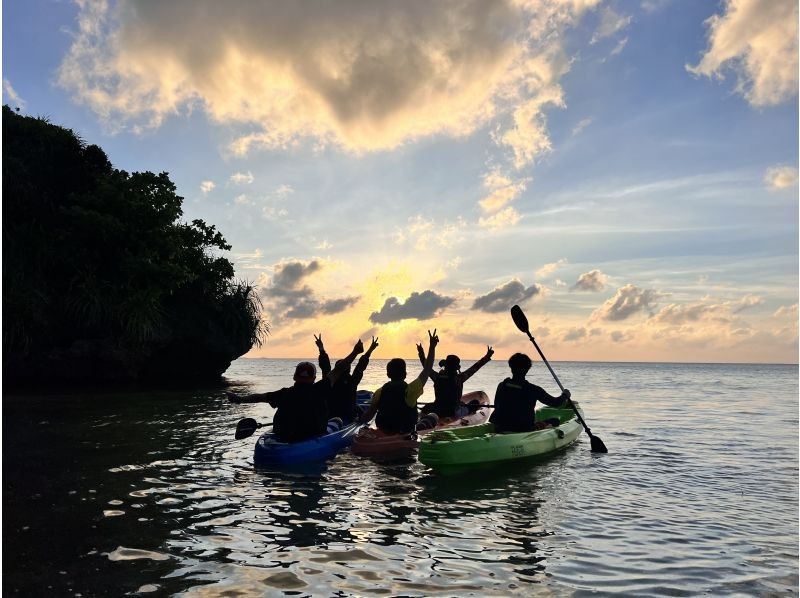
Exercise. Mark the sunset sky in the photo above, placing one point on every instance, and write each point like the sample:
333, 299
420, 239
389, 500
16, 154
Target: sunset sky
626, 171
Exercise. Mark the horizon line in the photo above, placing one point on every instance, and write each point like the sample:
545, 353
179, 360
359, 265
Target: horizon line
415, 358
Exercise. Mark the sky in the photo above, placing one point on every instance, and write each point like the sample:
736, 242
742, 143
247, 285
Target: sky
624, 171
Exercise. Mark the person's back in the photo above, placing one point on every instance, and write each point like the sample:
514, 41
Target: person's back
342, 399
395, 403
395, 415
448, 385
514, 407
447, 388
301, 413
515, 399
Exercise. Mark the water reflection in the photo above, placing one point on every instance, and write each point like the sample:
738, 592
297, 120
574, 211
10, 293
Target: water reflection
151, 494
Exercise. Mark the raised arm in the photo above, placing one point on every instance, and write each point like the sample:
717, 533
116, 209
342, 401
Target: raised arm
433, 340
324, 360
421, 353
467, 374
344, 364
363, 361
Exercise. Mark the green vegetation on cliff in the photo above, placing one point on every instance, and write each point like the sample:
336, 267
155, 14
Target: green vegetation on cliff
101, 279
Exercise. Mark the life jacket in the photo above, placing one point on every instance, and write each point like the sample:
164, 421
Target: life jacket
447, 389
342, 399
304, 415
394, 415
513, 408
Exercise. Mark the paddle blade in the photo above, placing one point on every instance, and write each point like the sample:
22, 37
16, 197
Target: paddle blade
245, 428
519, 318
598, 446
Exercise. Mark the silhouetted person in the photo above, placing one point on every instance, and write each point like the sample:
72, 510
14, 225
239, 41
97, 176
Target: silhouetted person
396, 401
342, 395
515, 399
302, 410
448, 384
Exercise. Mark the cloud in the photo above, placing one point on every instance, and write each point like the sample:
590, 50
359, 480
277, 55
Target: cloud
620, 336
12, 96
287, 296
418, 306
627, 301
610, 23
786, 310
652, 6
680, 314
574, 334
242, 200
528, 137
593, 281
580, 126
781, 177
207, 186
548, 269
273, 213
757, 41
323, 245
283, 191
619, 47
290, 274
242, 178
506, 295
359, 74
422, 232
747, 302
334, 306
502, 219
502, 190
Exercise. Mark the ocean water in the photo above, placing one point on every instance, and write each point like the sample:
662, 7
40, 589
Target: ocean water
148, 493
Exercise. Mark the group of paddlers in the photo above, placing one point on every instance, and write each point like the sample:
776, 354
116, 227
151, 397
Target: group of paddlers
309, 408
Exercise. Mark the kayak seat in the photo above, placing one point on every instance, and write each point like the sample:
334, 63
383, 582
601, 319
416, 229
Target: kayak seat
428, 422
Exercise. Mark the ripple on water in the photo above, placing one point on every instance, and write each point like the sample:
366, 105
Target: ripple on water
122, 553
687, 502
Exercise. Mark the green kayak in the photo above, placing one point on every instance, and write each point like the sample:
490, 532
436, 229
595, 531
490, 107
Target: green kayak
452, 451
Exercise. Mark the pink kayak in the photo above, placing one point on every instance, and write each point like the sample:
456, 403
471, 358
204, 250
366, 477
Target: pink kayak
371, 442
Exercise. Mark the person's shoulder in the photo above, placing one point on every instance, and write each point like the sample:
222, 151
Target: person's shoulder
532, 387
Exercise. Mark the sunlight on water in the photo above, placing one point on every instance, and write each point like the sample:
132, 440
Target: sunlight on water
149, 492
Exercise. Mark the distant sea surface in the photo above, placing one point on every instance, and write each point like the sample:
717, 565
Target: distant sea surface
137, 493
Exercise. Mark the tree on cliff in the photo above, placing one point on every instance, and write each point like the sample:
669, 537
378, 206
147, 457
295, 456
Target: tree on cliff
101, 279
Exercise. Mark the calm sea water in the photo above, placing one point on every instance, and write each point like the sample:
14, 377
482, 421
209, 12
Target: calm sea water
132, 493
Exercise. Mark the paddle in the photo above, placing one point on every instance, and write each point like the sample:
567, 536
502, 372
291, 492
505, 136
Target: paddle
247, 426
522, 323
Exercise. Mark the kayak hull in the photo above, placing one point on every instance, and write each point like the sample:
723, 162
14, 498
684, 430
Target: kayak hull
373, 443
453, 451
269, 452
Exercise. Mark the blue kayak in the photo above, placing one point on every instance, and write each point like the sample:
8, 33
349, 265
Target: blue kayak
269, 452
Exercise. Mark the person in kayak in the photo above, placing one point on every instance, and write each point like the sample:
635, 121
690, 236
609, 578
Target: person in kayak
342, 395
515, 399
395, 403
448, 383
302, 410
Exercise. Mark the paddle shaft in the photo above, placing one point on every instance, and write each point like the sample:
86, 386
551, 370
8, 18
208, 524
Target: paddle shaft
561, 386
